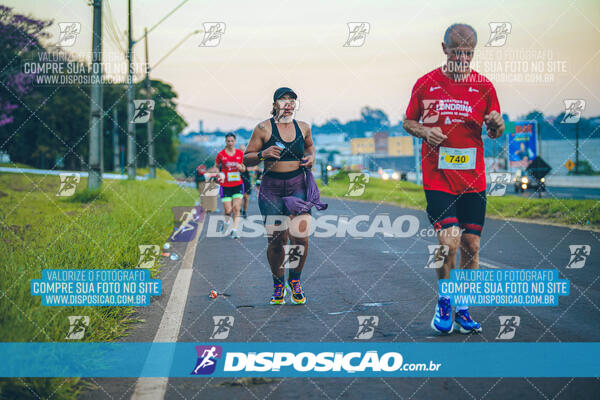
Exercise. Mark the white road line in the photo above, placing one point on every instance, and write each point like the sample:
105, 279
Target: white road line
168, 331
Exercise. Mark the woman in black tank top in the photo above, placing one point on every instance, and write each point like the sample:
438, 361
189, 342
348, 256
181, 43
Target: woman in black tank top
287, 191
292, 151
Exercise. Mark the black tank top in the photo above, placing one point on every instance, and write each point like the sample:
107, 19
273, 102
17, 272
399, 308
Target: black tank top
294, 150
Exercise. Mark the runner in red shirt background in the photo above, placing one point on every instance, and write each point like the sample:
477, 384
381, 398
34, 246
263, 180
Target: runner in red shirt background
230, 163
447, 109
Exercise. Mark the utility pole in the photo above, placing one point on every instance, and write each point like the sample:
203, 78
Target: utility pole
130, 109
149, 126
417, 155
95, 167
577, 148
115, 135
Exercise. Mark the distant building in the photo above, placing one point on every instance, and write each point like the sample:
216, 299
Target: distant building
332, 142
203, 138
381, 142
386, 146
400, 146
362, 146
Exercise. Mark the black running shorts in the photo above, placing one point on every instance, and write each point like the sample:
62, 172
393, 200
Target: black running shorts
466, 210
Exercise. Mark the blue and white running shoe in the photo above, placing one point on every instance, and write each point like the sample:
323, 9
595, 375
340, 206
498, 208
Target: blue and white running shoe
464, 323
442, 321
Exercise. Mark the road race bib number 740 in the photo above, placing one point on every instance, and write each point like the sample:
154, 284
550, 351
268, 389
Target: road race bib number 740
233, 176
451, 158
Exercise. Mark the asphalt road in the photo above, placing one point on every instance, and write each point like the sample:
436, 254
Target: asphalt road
342, 279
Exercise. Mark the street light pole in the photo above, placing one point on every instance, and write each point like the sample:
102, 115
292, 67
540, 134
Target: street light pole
115, 134
95, 161
150, 125
130, 107
189, 35
131, 161
577, 148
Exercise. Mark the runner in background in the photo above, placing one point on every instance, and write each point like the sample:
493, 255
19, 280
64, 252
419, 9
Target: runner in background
229, 162
258, 179
447, 109
246, 179
199, 179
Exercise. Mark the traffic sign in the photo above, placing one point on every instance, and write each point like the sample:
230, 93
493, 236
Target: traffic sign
570, 164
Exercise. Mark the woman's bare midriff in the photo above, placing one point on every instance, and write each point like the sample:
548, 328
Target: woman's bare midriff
281, 166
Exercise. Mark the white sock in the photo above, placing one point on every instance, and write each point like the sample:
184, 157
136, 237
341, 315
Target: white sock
462, 308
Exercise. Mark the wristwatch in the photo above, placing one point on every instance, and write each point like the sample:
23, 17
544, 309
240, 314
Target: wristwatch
260, 156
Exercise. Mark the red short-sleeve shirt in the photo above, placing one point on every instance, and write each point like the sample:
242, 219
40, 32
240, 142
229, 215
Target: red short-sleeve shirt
458, 109
228, 166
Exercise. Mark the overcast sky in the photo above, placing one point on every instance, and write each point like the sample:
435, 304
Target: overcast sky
299, 44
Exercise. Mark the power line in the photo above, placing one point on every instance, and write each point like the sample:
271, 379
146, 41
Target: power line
162, 19
112, 28
212, 111
175, 48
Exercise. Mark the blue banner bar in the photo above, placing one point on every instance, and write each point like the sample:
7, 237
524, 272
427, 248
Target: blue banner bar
322, 359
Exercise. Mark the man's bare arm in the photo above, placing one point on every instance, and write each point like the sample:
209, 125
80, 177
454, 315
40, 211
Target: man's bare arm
433, 135
414, 128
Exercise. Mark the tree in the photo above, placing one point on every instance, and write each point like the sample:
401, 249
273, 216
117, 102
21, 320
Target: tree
19, 35
190, 156
374, 119
168, 123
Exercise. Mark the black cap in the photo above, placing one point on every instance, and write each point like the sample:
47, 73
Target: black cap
283, 90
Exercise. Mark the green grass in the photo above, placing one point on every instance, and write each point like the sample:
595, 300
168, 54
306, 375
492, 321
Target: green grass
15, 165
90, 230
160, 173
583, 213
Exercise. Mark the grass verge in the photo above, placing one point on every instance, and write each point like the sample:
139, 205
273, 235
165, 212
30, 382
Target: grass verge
581, 213
90, 230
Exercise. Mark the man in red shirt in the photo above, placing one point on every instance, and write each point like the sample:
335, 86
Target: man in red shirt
447, 109
230, 162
